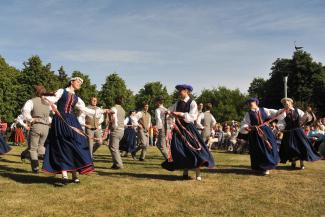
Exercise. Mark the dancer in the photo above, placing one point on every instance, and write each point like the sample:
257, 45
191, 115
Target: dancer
187, 149
143, 132
263, 148
117, 132
36, 112
128, 143
206, 122
68, 149
4, 147
92, 125
161, 126
295, 145
17, 133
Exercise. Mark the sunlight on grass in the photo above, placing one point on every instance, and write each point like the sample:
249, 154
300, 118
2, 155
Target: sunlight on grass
145, 189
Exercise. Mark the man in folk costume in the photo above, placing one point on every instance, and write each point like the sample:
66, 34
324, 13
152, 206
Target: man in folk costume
36, 112
295, 145
200, 112
187, 147
262, 142
117, 132
206, 122
144, 118
92, 125
161, 124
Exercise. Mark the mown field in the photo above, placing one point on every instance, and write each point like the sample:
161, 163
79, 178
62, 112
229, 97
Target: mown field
145, 189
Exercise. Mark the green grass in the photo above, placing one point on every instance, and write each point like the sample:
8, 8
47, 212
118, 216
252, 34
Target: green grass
145, 189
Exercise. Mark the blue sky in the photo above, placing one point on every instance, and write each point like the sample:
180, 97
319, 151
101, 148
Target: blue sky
205, 43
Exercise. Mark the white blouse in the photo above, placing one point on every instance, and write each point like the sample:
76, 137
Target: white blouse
246, 122
282, 123
80, 104
191, 116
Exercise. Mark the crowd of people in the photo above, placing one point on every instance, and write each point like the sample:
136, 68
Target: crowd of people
185, 133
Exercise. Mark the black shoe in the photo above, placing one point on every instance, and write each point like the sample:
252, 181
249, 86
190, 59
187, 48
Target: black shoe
293, 165
65, 181
187, 177
141, 159
76, 181
35, 170
115, 167
133, 156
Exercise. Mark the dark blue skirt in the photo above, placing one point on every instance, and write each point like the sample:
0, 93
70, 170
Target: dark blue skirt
4, 147
129, 140
67, 150
262, 158
184, 157
295, 145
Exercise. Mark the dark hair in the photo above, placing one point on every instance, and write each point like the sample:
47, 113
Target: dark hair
41, 91
92, 97
145, 103
118, 100
208, 106
159, 100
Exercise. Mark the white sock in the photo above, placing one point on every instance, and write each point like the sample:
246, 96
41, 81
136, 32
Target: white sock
64, 174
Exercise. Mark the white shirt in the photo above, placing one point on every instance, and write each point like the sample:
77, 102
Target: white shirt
282, 123
159, 122
191, 116
134, 121
201, 117
80, 104
246, 122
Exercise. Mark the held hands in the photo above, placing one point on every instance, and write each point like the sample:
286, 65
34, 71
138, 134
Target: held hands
108, 111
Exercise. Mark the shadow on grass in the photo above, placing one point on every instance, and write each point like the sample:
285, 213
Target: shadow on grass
238, 170
142, 175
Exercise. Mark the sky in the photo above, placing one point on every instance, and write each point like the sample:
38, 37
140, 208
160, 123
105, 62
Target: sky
207, 43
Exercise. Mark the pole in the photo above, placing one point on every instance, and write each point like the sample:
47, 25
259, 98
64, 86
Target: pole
285, 86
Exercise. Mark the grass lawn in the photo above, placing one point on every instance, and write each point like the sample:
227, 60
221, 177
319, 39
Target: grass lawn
145, 189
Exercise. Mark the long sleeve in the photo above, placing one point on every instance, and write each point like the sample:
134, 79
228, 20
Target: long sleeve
81, 119
271, 112
20, 120
101, 119
56, 97
213, 121
190, 117
246, 122
158, 119
82, 107
173, 107
199, 121
26, 111
281, 124
126, 121
149, 124
114, 118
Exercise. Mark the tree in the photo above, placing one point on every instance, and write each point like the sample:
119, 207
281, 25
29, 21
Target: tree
115, 86
306, 79
227, 104
257, 88
35, 73
9, 88
63, 77
87, 89
149, 93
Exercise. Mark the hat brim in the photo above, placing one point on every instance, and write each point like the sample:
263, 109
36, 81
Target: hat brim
184, 87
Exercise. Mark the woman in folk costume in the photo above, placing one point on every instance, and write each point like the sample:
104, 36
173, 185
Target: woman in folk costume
17, 135
295, 145
68, 146
262, 142
4, 147
187, 149
128, 144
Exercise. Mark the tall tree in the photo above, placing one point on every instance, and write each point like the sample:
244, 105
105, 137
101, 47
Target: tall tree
227, 104
150, 92
115, 86
63, 77
9, 88
35, 73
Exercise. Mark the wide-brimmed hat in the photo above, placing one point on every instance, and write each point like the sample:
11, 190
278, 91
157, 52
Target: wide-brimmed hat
286, 99
253, 99
184, 87
77, 78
